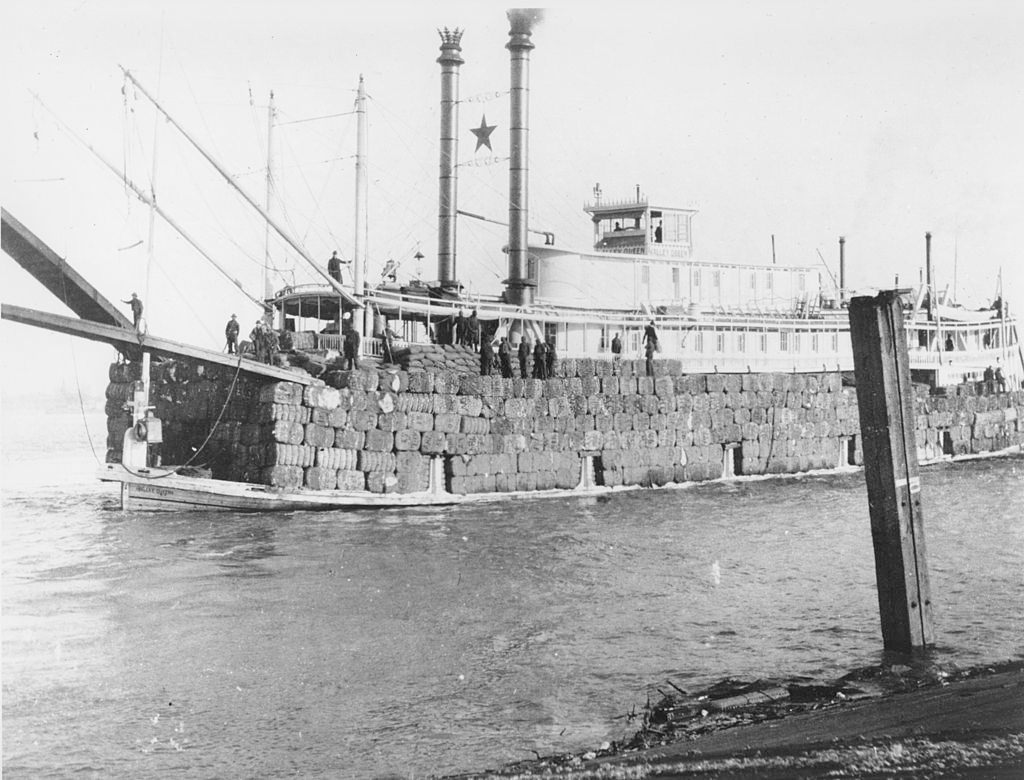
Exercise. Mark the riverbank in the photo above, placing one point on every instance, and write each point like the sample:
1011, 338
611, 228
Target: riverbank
876, 722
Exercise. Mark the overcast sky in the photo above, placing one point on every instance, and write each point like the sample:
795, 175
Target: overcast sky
802, 120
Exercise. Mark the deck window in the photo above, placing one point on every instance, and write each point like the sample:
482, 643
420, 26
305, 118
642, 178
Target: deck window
784, 340
764, 342
814, 342
796, 342
716, 279
675, 283
696, 278
741, 342
720, 342
835, 342
698, 341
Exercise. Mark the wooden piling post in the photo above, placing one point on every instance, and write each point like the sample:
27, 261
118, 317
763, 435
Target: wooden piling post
885, 402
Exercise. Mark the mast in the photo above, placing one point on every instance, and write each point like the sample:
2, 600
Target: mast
842, 269
267, 291
317, 267
359, 247
519, 287
450, 60
928, 272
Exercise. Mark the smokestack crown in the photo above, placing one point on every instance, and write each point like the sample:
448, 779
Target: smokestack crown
451, 45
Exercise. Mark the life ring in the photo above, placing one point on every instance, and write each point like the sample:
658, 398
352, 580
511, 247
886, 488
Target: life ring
141, 431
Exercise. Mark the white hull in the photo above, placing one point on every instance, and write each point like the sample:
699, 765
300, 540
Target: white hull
162, 489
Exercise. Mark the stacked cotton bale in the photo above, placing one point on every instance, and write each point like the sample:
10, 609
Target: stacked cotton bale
203, 408
377, 430
960, 421
119, 394
438, 357
779, 423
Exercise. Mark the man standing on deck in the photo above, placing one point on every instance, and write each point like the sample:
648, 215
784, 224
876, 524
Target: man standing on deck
350, 348
523, 352
231, 334
473, 330
540, 363
616, 348
486, 357
259, 341
460, 330
505, 358
334, 267
650, 346
136, 303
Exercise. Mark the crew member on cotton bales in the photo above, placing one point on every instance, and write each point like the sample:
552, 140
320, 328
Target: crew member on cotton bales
486, 357
540, 363
231, 335
258, 337
350, 345
473, 330
523, 353
505, 358
136, 303
616, 348
650, 346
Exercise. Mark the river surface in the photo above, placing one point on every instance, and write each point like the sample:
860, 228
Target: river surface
411, 643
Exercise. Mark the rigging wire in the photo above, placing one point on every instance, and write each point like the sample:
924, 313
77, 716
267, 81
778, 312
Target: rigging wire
74, 364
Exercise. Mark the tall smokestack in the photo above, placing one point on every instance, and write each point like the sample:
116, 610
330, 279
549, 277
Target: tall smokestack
450, 60
519, 287
842, 269
928, 259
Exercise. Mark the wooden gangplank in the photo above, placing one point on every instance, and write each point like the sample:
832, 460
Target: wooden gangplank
54, 273
133, 343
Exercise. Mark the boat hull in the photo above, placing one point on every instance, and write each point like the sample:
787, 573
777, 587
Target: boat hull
162, 489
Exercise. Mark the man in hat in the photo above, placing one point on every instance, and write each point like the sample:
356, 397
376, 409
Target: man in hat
651, 346
258, 337
136, 303
486, 357
231, 334
505, 358
334, 266
350, 345
523, 353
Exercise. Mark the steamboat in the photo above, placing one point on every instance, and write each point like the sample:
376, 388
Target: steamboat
747, 377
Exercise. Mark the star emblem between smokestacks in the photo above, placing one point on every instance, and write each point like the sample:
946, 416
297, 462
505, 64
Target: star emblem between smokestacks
483, 134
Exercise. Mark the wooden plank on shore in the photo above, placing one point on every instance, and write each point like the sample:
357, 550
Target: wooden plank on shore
886, 405
53, 272
132, 342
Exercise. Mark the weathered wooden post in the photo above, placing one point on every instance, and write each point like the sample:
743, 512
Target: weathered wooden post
886, 405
